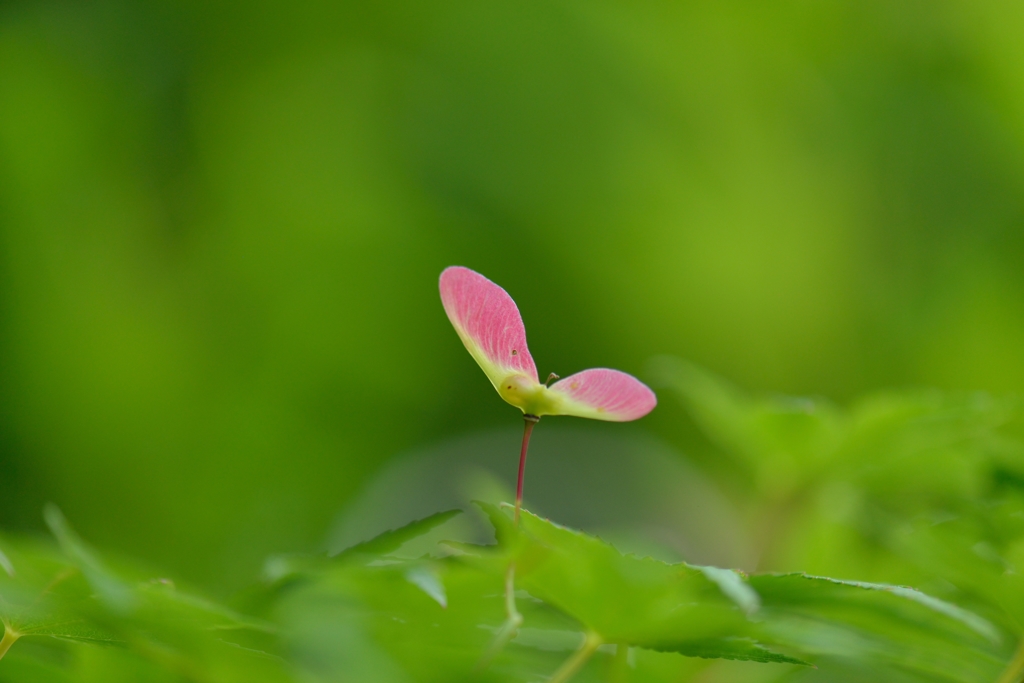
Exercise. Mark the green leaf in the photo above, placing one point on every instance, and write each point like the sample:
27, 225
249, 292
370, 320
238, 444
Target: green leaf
46, 598
505, 532
741, 649
379, 622
390, 541
428, 580
969, 619
282, 572
782, 441
734, 587
71, 629
637, 601
78, 597
115, 593
874, 623
979, 552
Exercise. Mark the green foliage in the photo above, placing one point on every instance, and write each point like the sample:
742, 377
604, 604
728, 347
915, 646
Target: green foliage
368, 614
916, 487
91, 621
393, 540
579, 607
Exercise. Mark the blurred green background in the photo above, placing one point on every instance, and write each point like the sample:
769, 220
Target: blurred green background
221, 226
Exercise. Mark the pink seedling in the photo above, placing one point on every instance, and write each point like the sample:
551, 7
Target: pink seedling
489, 324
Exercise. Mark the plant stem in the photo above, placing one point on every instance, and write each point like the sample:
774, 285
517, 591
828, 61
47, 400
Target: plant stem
10, 638
579, 658
529, 421
510, 594
1014, 672
513, 620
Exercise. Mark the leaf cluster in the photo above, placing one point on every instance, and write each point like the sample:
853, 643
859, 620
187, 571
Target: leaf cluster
368, 614
901, 490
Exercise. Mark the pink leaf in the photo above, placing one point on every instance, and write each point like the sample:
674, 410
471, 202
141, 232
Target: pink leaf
604, 394
488, 322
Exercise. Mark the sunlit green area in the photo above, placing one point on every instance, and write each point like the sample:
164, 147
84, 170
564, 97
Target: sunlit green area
223, 354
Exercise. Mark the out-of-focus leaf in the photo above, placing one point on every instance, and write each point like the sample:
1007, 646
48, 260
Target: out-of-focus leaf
115, 593
740, 649
373, 621
429, 582
48, 597
162, 632
781, 440
71, 629
282, 571
908, 449
5, 563
885, 625
973, 554
390, 541
919, 487
965, 617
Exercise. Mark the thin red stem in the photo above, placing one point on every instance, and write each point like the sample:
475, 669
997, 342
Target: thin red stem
529, 421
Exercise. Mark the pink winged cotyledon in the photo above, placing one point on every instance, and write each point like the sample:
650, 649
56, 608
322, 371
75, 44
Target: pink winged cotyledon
489, 324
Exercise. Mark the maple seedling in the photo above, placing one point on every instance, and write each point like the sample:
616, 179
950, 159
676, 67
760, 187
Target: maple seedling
489, 324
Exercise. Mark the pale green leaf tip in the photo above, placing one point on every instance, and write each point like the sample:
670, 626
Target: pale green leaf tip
430, 583
734, 587
5, 562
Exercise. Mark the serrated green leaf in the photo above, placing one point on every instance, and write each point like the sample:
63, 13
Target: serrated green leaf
624, 599
985, 571
974, 622
888, 625
694, 611
390, 541
740, 649
505, 532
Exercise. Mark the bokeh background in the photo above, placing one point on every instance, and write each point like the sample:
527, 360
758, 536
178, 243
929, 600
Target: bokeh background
221, 226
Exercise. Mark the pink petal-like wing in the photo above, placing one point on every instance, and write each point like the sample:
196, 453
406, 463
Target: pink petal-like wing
603, 394
488, 322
